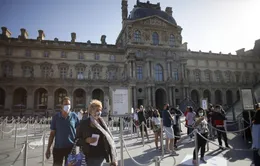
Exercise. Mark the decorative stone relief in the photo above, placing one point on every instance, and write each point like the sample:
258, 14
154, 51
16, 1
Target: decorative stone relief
146, 35
130, 33
154, 21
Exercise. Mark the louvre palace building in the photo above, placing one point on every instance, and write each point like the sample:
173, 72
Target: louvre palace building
149, 58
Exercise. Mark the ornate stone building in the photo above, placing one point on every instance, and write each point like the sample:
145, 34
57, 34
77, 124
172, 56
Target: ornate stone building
149, 58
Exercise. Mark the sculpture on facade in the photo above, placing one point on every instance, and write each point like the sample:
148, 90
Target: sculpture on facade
147, 35
103, 40
89, 74
130, 33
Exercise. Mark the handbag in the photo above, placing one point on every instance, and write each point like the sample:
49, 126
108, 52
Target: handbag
75, 159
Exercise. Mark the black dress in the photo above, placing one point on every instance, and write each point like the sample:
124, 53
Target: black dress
176, 127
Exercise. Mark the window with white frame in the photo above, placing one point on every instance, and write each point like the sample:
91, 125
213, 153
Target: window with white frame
155, 38
137, 36
63, 72
96, 73
112, 58
7, 70
80, 73
63, 54
158, 73
27, 71
176, 74
139, 72
46, 54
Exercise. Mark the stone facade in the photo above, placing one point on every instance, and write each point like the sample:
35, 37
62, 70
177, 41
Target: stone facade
149, 58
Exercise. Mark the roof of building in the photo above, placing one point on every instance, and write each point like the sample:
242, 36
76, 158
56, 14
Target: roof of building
142, 10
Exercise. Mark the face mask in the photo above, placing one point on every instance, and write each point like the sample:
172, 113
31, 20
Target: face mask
98, 114
66, 108
201, 114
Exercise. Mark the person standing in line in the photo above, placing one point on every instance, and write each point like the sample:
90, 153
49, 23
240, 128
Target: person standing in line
141, 119
256, 136
176, 125
63, 130
202, 127
135, 121
190, 120
219, 121
156, 123
96, 139
167, 124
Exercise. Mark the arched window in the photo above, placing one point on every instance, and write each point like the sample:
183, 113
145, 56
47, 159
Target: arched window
171, 41
158, 73
155, 38
137, 36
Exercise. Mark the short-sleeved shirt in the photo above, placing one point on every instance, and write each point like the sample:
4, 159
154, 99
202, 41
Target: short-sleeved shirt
167, 121
65, 129
156, 120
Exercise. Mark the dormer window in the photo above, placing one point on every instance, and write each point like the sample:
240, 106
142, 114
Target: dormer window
81, 56
112, 58
137, 36
155, 38
28, 53
96, 57
46, 54
171, 40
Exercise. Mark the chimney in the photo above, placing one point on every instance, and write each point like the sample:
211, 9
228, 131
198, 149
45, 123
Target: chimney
168, 10
41, 35
241, 51
124, 9
6, 33
73, 37
24, 34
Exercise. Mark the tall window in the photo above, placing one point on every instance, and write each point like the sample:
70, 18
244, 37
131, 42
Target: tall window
207, 76
171, 41
63, 72
43, 97
7, 70
237, 78
46, 54
138, 54
45, 71
158, 73
112, 74
228, 76
197, 76
27, 70
80, 73
112, 58
96, 73
155, 38
139, 72
218, 78
137, 36
176, 75
28, 53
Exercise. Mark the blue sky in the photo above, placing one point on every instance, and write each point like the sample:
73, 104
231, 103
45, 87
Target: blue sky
216, 25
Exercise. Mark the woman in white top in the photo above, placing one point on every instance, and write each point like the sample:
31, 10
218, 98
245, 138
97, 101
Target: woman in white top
156, 122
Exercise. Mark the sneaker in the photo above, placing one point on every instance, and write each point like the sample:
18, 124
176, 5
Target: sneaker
173, 153
202, 160
194, 162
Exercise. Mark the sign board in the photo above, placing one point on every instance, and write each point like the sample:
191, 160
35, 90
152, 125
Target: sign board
247, 99
120, 101
204, 104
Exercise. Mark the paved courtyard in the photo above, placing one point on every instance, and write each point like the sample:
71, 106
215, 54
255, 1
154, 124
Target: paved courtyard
142, 154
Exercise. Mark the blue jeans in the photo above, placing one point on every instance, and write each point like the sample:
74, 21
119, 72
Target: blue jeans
256, 158
97, 161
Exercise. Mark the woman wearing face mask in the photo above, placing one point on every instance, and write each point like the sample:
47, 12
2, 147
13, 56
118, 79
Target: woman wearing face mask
201, 125
97, 141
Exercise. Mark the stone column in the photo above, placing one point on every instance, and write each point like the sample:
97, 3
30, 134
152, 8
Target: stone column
170, 95
30, 100
149, 96
130, 68
151, 69
88, 95
51, 98
185, 71
9, 98
171, 72
134, 69
173, 96
148, 69
153, 96
106, 99
184, 92
212, 93
168, 70
224, 97
182, 71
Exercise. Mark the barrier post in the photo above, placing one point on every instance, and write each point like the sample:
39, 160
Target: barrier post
196, 146
34, 129
43, 149
121, 143
157, 161
25, 160
15, 136
162, 146
142, 134
131, 127
2, 137
27, 130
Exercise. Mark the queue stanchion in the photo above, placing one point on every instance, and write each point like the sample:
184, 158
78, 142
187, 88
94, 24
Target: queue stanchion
15, 136
43, 148
162, 146
27, 130
196, 146
131, 126
142, 134
25, 158
157, 161
121, 143
2, 128
34, 128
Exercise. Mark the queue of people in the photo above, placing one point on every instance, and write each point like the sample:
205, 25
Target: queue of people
96, 140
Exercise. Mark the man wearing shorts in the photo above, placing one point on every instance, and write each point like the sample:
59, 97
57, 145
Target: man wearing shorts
167, 124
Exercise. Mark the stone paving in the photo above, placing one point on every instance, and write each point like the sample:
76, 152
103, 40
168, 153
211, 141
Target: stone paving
142, 154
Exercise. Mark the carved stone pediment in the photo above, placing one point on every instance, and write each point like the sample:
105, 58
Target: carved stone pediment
45, 64
7, 63
63, 65
155, 21
96, 66
80, 66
